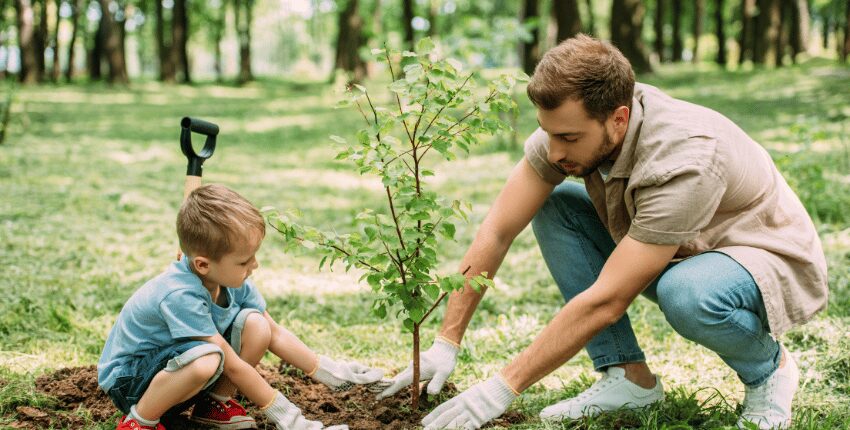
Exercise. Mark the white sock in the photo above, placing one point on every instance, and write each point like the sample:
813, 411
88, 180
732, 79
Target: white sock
134, 414
219, 397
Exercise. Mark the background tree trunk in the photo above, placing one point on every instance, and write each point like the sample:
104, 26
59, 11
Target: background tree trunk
800, 28
166, 66
699, 11
529, 51
433, 12
720, 32
658, 26
218, 35
767, 31
746, 39
5, 63
113, 45
567, 18
407, 17
95, 59
56, 70
244, 17
677, 31
76, 5
846, 51
26, 33
626, 25
40, 41
349, 42
179, 39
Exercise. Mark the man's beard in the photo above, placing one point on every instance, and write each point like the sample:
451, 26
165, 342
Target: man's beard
601, 155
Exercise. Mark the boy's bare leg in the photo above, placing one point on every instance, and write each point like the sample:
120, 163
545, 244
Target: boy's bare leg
256, 336
168, 389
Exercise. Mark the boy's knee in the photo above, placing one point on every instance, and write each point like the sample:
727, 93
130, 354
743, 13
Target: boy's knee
205, 366
257, 330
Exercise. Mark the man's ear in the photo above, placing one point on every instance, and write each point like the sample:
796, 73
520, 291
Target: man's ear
201, 265
619, 122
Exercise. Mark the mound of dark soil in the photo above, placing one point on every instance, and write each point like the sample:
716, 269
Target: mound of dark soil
79, 401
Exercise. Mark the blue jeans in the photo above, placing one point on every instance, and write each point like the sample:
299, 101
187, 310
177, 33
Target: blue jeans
137, 375
709, 298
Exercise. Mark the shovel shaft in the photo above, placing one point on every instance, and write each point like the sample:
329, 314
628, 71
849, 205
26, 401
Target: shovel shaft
191, 183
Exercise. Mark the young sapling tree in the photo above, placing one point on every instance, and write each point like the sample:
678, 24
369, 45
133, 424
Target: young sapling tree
435, 108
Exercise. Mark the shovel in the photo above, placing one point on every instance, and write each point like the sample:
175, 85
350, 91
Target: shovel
195, 166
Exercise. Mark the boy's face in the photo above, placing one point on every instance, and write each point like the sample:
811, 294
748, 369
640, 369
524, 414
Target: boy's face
233, 268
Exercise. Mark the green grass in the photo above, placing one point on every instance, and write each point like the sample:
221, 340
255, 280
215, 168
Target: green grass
91, 178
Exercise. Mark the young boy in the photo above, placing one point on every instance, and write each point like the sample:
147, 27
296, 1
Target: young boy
202, 326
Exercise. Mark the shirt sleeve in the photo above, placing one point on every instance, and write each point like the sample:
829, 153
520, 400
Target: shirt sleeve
251, 298
675, 208
537, 154
187, 314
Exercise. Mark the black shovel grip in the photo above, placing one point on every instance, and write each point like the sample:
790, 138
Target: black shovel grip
199, 126
196, 160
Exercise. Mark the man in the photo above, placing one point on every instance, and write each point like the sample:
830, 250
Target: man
679, 204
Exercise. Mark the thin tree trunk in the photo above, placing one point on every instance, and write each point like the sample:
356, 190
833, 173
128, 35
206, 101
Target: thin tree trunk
96, 53
746, 39
179, 34
113, 46
26, 34
720, 32
349, 42
658, 26
529, 51
567, 18
76, 5
166, 66
800, 28
244, 16
41, 39
55, 70
846, 51
768, 27
677, 31
591, 25
784, 39
626, 26
218, 35
699, 11
414, 386
407, 17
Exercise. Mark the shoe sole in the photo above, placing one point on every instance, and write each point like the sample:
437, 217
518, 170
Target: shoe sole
247, 424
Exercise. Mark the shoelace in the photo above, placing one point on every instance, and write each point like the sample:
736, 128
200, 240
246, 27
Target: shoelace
595, 388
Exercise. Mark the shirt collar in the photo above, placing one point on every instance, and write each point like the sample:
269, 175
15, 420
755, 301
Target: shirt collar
625, 162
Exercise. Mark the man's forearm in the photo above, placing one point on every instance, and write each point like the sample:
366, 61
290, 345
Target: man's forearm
575, 324
485, 255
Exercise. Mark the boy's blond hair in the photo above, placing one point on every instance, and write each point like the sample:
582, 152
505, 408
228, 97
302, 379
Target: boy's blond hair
213, 219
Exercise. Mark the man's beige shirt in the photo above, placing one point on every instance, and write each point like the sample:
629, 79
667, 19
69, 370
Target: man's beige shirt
689, 176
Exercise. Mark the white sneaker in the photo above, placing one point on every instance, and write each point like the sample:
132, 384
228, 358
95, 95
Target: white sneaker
611, 392
769, 405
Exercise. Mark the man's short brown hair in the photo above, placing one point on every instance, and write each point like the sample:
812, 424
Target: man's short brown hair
213, 219
586, 69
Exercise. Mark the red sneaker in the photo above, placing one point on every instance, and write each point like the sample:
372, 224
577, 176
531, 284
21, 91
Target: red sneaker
221, 415
134, 425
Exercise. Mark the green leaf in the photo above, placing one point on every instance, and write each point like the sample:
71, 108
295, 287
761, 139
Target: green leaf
408, 324
432, 290
380, 311
425, 45
338, 139
448, 230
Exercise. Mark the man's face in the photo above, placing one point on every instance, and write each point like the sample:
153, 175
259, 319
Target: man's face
578, 143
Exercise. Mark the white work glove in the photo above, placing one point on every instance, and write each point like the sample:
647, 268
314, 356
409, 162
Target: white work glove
474, 407
436, 364
342, 375
287, 416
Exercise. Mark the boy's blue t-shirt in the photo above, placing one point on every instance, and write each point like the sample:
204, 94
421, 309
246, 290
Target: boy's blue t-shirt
169, 309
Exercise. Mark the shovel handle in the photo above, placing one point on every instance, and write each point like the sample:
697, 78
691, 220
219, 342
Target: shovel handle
196, 160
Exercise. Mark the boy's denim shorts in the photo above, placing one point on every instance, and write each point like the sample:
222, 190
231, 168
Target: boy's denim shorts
137, 375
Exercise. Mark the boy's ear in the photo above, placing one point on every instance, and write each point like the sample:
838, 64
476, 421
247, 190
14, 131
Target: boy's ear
201, 265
